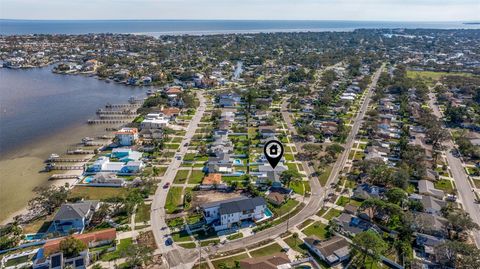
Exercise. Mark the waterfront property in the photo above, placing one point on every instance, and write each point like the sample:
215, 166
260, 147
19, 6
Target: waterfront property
73, 217
227, 213
154, 121
129, 162
126, 136
50, 256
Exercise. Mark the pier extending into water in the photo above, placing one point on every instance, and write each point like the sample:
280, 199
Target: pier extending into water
68, 160
110, 121
80, 152
53, 166
62, 176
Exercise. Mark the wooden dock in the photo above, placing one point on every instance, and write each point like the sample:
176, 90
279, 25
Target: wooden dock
68, 160
53, 166
62, 176
116, 112
136, 105
106, 117
111, 121
94, 143
80, 152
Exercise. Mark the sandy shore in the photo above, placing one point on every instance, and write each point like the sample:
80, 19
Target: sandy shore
21, 170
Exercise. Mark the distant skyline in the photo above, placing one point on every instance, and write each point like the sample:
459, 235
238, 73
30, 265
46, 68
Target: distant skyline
371, 10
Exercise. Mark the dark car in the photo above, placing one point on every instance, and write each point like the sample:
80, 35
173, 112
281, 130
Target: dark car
168, 242
166, 185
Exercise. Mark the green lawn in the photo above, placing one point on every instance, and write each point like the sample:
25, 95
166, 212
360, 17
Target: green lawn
143, 213
324, 176
305, 223
235, 236
181, 236
174, 199
292, 166
188, 245
288, 157
317, 229
342, 201
181, 176
332, 213
444, 184
119, 252
97, 193
298, 187
296, 244
268, 250
196, 177
286, 207
229, 262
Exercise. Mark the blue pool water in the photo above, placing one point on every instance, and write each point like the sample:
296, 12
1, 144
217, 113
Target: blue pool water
237, 161
31, 237
88, 179
268, 213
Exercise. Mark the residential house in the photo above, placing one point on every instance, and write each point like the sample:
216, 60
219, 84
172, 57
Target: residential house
73, 217
432, 205
227, 213
274, 261
103, 164
351, 225
426, 245
332, 251
105, 179
126, 136
429, 224
267, 173
365, 191
50, 257
267, 131
229, 100
278, 195
220, 163
154, 121
426, 187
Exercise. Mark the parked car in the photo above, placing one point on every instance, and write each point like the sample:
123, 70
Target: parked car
166, 185
168, 242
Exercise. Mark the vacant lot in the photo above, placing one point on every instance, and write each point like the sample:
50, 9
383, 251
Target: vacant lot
97, 193
202, 197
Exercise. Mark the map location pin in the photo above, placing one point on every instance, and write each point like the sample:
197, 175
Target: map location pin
273, 151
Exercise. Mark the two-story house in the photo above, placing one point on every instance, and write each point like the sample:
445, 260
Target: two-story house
73, 217
225, 214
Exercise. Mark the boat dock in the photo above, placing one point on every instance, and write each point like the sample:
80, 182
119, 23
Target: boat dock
67, 160
80, 151
135, 105
116, 112
117, 116
110, 121
53, 166
62, 176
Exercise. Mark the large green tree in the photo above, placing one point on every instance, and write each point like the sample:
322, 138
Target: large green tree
367, 245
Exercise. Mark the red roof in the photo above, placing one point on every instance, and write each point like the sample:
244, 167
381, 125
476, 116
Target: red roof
174, 90
53, 245
170, 111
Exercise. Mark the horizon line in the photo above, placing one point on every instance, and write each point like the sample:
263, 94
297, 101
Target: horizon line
293, 20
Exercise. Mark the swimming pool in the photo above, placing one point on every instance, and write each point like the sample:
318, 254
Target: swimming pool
237, 162
37, 236
88, 179
268, 213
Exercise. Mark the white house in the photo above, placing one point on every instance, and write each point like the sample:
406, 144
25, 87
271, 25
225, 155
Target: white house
127, 136
224, 214
154, 121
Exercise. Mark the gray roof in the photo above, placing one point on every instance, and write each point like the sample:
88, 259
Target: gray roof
241, 205
75, 211
433, 203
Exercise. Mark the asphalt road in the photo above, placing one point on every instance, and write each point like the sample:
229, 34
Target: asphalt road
465, 191
174, 255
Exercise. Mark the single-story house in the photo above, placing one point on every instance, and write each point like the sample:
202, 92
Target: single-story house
332, 251
426, 187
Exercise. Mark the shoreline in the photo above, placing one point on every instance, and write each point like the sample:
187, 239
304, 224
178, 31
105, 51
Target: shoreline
27, 163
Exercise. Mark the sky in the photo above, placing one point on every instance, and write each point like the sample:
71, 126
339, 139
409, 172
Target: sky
383, 10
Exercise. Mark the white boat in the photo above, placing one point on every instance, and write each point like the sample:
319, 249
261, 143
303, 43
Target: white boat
53, 156
86, 139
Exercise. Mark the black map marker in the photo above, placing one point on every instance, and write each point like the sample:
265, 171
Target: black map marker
273, 151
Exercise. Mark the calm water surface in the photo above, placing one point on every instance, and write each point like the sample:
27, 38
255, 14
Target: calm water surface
35, 103
161, 27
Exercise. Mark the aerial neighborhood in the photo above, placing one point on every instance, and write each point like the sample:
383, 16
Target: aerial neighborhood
381, 162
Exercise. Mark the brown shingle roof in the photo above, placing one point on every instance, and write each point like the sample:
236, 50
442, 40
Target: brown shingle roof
327, 247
